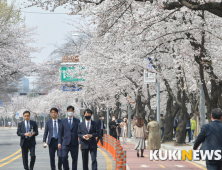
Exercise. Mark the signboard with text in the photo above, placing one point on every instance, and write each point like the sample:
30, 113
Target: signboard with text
70, 59
72, 73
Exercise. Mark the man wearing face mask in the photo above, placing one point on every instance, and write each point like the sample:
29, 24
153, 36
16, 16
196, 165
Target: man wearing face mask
87, 132
113, 126
68, 139
100, 127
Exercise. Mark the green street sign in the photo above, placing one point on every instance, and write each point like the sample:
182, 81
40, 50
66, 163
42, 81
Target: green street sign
72, 73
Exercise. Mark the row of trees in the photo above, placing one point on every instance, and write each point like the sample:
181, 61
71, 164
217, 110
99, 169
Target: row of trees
179, 38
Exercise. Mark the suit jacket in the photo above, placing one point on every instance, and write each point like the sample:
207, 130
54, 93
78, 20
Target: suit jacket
66, 135
99, 127
210, 137
82, 130
49, 130
21, 130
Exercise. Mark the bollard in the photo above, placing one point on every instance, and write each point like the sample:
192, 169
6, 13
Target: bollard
124, 161
2, 126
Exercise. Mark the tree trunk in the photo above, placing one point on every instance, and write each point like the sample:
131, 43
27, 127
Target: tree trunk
171, 111
182, 121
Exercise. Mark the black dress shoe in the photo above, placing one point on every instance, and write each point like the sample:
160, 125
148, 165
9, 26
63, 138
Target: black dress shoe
138, 155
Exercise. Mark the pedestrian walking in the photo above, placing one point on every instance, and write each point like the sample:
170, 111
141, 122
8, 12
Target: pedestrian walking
188, 127
162, 122
175, 125
27, 130
9, 124
68, 139
154, 138
211, 139
118, 130
112, 126
193, 126
51, 131
124, 131
101, 127
140, 135
41, 124
87, 132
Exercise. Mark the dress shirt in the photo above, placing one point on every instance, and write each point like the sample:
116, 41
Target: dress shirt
87, 123
71, 120
53, 121
26, 126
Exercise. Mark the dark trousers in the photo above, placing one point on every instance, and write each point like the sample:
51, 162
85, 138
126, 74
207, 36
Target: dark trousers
74, 150
214, 165
53, 147
162, 129
25, 149
101, 139
174, 129
189, 134
85, 158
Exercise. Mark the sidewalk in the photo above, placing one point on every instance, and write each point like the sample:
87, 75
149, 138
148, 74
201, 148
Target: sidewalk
144, 163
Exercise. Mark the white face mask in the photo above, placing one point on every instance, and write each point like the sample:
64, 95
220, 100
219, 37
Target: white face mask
102, 118
70, 113
113, 118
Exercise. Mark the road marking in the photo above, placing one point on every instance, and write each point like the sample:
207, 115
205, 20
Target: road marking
108, 161
179, 166
144, 166
10, 160
196, 165
126, 147
10, 155
132, 149
162, 166
146, 156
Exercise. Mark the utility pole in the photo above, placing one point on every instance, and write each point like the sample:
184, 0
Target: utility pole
158, 102
202, 106
129, 121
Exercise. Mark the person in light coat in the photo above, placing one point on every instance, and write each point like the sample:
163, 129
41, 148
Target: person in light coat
140, 135
124, 131
154, 138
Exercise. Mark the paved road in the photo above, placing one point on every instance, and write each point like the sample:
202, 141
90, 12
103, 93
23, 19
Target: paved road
135, 163
10, 154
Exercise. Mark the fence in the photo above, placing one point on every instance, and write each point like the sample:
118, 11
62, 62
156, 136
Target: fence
114, 147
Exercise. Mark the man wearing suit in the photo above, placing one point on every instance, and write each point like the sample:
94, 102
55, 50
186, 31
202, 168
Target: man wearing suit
87, 132
51, 130
27, 130
101, 127
68, 139
211, 139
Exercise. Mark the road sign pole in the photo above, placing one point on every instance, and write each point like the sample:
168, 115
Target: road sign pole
129, 121
107, 121
12, 120
4, 121
202, 106
158, 102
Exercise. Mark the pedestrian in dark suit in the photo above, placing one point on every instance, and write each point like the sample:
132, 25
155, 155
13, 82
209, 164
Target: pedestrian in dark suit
68, 139
211, 139
51, 130
27, 130
101, 127
113, 127
41, 124
87, 132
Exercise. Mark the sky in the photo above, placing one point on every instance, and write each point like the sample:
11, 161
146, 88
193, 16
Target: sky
51, 28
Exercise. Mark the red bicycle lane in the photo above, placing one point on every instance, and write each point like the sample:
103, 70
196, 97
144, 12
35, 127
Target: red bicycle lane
135, 163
